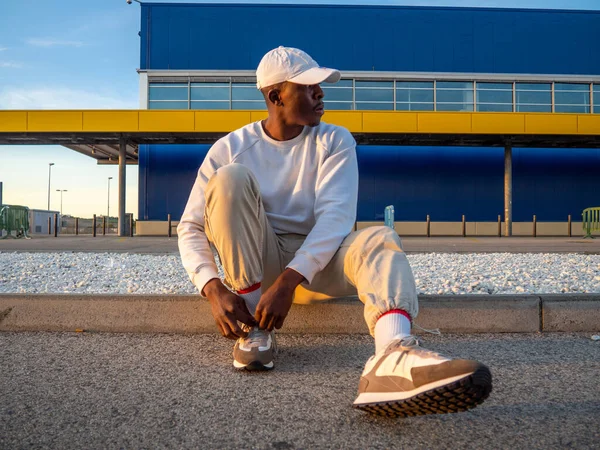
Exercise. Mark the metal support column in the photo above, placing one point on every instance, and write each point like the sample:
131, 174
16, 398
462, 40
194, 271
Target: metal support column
508, 190
122, 156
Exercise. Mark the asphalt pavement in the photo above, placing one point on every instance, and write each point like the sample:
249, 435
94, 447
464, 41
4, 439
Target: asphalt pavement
96, 390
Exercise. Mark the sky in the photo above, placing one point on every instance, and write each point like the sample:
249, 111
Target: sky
69, 54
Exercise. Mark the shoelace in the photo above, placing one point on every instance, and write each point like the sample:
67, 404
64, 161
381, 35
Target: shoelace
256, 337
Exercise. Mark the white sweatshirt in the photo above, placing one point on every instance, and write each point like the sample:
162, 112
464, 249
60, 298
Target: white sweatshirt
308, 185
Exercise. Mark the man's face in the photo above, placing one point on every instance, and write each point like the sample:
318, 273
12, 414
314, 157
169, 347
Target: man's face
302, 105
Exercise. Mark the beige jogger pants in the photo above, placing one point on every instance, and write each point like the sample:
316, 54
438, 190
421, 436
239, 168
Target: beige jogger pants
369, 262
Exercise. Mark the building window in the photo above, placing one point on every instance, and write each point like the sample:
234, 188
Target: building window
414, 95
209, 96
494, 97
534, 97
246, 96
571, 98
374, 95
168, 96
596, 88
338, 96
454, 96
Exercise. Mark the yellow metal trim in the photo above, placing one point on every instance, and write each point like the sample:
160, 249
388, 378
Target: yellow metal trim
55, 121
166, 121
123, 121
588, 124
13, 120
551, 123
384, 122
106, 121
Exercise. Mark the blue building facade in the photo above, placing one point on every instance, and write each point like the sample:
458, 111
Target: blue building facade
392, 58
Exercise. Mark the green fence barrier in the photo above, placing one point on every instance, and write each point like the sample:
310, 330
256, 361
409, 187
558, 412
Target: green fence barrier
14, 218
591, 221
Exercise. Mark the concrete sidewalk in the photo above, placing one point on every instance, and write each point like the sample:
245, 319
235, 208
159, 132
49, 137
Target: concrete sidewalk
110, 391
165, 245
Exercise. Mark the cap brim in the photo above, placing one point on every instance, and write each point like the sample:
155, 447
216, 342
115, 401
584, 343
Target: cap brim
317, 75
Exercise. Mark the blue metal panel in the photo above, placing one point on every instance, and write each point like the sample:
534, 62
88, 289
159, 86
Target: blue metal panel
381, 38
444, 182
167, 174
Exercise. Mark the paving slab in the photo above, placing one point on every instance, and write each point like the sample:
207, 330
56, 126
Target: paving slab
105, 391
570, 312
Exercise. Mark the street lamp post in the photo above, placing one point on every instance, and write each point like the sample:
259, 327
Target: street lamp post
108, 208
49, 174
61, 191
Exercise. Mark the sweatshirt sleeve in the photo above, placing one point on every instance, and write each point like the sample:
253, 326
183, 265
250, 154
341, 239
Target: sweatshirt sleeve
336, 194
195, 251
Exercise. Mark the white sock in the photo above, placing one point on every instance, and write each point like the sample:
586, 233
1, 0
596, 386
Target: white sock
389, 327
251, 296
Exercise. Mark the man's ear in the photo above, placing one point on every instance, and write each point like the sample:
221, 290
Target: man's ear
274, 96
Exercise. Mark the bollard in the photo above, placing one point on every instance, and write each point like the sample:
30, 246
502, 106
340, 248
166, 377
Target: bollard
103, 225
94, 226
131, 225
464, 226
49, 225
55, 225
169, 222
428, 226
534, 226
569, 225
389, 216
76, 226
499, 226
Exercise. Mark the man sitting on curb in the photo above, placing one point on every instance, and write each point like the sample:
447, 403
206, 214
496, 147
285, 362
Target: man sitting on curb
277, 201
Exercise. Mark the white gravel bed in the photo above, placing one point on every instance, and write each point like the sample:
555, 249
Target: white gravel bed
435, 273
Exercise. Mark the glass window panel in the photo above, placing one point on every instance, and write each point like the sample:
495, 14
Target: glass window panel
534, 108
168, 105
168, 93
210, 105
454, 85
596, 88
494, 96
454, 107
212, 84
375, 95
537, 97
368, 106
210, 93
454, 96
414, 84
333, 106
246, 93
405, 106
374, 84
533, 87
414, 95
572, 108
494, 107
571, 87
342, 94
494, 86
341, 83
249, 105
572, 98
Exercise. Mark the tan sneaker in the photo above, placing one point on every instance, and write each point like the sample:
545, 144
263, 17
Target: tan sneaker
256, 351
407, 380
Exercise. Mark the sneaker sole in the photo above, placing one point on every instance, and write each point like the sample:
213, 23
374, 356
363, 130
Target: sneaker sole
254, 366
459, 395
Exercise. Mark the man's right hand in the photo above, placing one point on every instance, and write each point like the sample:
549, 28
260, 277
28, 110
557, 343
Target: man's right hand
227, 309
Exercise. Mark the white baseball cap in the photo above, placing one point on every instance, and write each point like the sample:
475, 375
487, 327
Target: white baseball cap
294, 65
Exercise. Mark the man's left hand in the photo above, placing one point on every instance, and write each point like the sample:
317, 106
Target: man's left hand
276, 302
